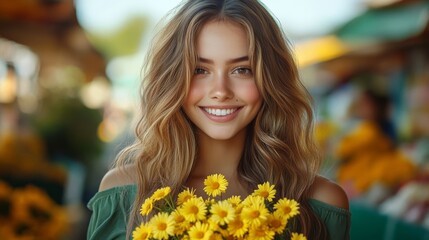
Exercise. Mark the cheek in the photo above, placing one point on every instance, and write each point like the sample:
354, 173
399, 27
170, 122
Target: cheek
194, 94
250, 93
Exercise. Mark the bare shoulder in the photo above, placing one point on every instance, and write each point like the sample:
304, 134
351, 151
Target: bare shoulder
329, 192
118, 177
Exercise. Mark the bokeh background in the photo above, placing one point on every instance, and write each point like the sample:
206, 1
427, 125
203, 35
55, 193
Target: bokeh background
70, 70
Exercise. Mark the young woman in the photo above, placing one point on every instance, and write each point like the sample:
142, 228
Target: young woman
221, 94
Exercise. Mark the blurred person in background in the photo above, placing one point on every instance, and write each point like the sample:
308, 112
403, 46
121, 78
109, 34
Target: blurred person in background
371, 166
375, 107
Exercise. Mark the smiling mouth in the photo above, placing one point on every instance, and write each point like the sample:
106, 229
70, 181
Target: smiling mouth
220, 112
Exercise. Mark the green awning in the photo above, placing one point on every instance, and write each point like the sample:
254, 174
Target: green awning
387, 24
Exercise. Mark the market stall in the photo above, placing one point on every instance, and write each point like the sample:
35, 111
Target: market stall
373, 113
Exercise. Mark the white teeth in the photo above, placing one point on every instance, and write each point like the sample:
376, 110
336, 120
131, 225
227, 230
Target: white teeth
220, 112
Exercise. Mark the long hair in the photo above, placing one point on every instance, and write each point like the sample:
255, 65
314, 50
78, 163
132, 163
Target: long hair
279, 147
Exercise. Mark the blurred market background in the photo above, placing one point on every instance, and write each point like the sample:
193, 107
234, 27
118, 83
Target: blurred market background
69, 73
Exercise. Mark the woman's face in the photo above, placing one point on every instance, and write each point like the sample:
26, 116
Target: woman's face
223, 98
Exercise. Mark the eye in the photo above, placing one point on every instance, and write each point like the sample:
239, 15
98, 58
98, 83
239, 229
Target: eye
199, 71
242, 71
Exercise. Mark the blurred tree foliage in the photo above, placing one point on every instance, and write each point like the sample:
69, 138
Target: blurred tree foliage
125, 40
68, 127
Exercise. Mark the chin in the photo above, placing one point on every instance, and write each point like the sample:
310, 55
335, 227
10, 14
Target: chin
222, 135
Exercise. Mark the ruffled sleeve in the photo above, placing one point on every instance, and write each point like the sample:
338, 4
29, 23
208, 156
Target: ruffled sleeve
337, 220
110, 211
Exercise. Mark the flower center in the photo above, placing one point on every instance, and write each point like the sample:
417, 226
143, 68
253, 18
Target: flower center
260, 233
223, 214
187, 198
287, 210
162, 226
199, 235
194, 209
275, 223
179, 218
215, 185
237, 224
254, 214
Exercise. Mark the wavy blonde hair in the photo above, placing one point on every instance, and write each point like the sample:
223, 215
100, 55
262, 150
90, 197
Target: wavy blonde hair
279, 147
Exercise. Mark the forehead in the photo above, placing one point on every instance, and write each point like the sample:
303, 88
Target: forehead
222, 39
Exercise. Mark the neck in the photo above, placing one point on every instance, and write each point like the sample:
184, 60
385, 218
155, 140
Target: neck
219, 156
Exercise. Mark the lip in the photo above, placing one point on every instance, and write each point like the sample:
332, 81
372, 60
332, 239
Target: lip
221, 119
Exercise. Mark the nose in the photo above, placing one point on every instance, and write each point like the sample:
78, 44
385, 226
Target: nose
220, 88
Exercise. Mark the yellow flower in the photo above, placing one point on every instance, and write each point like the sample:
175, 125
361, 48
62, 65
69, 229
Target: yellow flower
200, 231
34, 208
142, 232
146, 207
261, 233
222, 212
180, 223
216, 236
194, 209
234, 200
215, 185
266, 191
160, 193
237, 227
185, 195
277, 222
254, 212
286, 207
162, 226
194, 217
296, 236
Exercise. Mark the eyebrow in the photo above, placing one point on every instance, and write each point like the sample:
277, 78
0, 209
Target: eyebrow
234, 60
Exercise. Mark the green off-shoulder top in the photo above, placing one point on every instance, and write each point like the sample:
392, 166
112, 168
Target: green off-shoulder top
111, 208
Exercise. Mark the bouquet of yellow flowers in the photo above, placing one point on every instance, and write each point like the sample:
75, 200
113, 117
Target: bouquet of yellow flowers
193, 217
